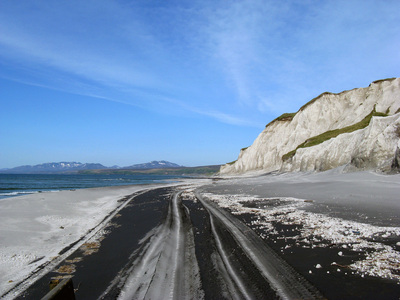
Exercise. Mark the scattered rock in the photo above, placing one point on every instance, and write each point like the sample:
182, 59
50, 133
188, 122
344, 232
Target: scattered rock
66, 269
90, 248
75, 260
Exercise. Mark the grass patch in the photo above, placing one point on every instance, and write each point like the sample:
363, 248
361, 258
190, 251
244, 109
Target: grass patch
316, 140
381, 80
289, 116
283, 118
286, 117
315, 99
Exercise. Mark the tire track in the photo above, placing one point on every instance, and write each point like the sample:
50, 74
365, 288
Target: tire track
171, 246
167, 263
229, 273
287, 283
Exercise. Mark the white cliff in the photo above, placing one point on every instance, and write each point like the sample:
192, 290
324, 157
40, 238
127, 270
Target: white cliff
375, 146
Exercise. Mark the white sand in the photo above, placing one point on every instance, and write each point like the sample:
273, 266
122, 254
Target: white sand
35, 228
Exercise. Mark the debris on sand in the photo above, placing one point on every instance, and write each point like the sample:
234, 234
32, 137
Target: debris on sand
66, 269
90, 248
380, 244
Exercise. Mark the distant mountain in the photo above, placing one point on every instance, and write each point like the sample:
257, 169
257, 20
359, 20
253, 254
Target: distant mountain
50, 168
114, 167
162, 164
74, 167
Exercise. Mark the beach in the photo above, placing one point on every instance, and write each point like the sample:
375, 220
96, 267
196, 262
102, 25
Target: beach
300, 235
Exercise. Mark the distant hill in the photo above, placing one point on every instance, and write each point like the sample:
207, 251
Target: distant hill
154, 167
53, 167
75, 167
162, 164
179, 171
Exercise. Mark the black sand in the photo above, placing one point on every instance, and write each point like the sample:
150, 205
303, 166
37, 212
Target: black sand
101, 273
95, 271
332, 283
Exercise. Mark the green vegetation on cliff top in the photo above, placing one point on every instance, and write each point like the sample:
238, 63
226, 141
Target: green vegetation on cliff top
290, 116
313, 141
329, 134
282, 118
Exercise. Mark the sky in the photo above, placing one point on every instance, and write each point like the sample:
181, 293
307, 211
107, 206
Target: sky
192, 82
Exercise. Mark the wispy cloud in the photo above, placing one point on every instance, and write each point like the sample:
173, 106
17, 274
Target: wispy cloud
217, 115
235, 61
235, 30
128, 62
100, 58
279, 54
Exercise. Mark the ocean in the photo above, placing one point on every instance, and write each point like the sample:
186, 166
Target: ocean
12, 185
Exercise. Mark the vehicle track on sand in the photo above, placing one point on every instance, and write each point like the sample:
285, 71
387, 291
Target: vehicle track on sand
171, 243
246, 268
287, 283
167, 267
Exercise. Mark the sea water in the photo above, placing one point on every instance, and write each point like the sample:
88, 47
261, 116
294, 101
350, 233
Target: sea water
12, 185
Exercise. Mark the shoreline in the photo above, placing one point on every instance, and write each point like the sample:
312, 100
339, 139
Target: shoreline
15, 185
36, 228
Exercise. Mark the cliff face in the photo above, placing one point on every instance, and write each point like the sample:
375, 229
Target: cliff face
359, 128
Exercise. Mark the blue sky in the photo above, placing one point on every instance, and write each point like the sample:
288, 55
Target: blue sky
192, 82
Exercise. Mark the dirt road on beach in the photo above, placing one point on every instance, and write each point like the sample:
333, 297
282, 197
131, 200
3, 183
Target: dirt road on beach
171, 243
